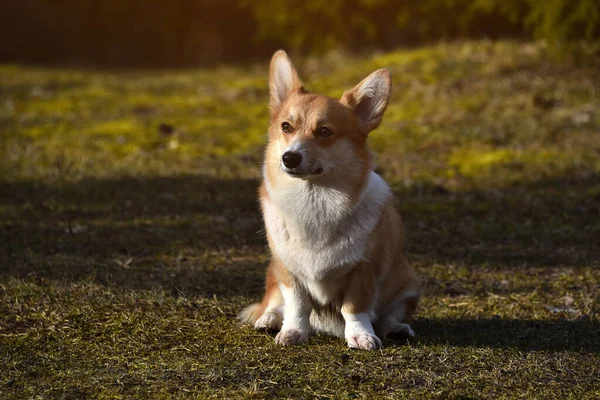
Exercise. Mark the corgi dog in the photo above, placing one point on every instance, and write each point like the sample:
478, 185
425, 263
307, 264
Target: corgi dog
336, 240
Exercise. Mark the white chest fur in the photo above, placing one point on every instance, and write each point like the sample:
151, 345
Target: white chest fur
316, 231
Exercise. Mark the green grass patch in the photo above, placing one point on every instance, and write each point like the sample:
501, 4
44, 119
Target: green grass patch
130, 234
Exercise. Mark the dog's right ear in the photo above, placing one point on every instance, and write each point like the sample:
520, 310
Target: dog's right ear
283, 80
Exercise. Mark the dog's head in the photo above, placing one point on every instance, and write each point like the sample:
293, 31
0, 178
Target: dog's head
314, 137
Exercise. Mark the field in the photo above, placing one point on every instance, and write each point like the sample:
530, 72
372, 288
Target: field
130, 234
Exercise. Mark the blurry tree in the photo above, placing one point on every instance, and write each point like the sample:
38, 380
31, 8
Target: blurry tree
567, 25
323, 24
195, 32
317, 25
126, 32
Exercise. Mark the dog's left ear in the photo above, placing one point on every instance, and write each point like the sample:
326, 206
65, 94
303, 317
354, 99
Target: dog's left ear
369, 99
283, 80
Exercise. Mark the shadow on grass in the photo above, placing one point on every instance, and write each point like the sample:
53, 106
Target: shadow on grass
203, 236
528, 335
546, 223
191, 234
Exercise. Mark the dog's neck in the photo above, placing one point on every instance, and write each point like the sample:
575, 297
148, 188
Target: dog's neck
316, 230
318, 211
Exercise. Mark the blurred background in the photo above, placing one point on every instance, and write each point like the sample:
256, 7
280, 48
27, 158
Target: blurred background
193, 33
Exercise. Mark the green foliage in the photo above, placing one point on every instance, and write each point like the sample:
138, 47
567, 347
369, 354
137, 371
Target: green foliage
567, 24
318, 25
185, 32
325, 24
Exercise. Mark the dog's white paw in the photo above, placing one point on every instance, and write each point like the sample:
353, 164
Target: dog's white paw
270, 321
290, 337
363, 341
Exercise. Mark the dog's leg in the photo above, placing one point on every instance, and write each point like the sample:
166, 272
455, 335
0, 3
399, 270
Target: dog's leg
296, 313
268, 314
356, 310
272, 316
394, 324
400, 298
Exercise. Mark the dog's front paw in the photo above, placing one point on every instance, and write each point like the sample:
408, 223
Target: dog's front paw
363, 341
290, 337
269, 321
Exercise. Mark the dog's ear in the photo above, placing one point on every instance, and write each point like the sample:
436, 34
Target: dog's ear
283, 79
369, 99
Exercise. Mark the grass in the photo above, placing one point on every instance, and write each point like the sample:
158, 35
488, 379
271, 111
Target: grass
130, 234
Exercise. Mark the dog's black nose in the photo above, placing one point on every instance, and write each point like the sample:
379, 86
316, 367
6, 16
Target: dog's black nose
291, 159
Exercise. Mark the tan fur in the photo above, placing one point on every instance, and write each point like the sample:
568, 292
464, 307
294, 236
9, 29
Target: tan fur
383, 284
254, 311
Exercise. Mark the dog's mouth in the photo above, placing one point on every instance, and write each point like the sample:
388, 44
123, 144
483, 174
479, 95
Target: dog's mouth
300, 174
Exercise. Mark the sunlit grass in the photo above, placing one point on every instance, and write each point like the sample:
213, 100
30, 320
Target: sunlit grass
130, 233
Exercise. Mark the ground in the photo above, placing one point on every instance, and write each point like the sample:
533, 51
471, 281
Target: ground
130, 233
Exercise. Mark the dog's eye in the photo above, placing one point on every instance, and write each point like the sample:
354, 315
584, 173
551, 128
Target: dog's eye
286, 127
324, 132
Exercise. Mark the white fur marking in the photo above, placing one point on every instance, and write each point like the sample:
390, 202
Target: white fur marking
272, 317
374, 88
316, 230
296, 310
296, 146
359, 332
371, 96
283, 79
